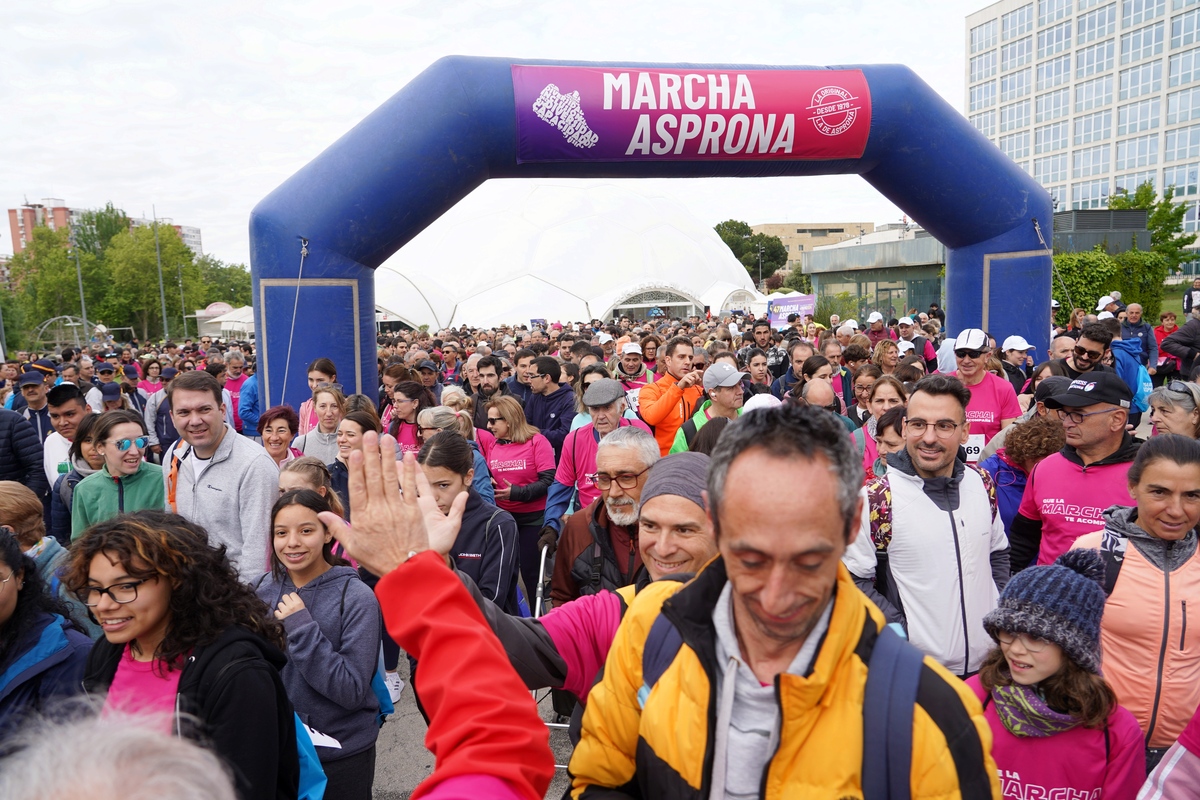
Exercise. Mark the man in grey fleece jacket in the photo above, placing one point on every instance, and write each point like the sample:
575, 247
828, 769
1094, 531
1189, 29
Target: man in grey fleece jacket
221, 481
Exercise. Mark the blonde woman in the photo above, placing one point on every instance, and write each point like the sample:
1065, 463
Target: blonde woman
329, 406
432, 421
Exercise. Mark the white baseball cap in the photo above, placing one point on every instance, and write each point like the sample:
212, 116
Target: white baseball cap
905, 321
1104, 301
905, 345
605, 338
1054, 304
631, 348
1104, 315
971, 339
853, 323
875, 317
1017, 343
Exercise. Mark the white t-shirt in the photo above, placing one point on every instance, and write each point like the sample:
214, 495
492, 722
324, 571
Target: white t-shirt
54, 453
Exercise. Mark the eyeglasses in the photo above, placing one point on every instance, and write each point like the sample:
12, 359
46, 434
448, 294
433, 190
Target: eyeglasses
493, 420
943, 427
626, 480
120, 593
971, 354
1033, 644
124, 444
1092, 355
1077, 416
858, 387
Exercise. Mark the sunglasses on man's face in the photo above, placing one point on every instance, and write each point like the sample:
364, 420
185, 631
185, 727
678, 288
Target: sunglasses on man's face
1091, 355
971, 354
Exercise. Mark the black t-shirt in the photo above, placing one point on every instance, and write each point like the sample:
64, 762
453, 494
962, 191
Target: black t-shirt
1073, 373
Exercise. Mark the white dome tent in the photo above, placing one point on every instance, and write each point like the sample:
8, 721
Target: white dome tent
562, 251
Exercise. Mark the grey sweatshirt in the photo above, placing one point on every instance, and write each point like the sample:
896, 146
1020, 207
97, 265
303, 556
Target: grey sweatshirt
231, 497
333, 650
320, 445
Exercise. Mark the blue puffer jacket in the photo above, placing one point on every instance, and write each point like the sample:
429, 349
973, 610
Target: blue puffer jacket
46, 664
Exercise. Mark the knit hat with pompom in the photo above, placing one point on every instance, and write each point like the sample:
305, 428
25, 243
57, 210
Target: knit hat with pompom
1060, 602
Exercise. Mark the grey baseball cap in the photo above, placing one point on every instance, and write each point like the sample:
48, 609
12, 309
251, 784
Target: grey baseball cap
722, 374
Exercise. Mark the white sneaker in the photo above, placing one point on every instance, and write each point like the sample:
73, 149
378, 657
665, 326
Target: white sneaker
394, 685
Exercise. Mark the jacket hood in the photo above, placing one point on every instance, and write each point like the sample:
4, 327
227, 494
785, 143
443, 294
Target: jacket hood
1123, 454
1130, 346
1121, 521
80, 465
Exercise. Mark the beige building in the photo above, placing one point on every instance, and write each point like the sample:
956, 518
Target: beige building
801, 237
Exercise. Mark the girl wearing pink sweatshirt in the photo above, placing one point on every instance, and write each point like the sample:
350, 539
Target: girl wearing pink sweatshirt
1056, 725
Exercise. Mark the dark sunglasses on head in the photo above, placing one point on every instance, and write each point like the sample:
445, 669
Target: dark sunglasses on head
1082, 352
969, 353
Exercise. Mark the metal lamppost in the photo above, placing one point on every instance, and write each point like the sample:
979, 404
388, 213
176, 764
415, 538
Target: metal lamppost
87, 330
162, 296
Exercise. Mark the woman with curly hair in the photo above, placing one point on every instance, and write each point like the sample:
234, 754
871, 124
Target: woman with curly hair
1057, 729
35, 630
186, 640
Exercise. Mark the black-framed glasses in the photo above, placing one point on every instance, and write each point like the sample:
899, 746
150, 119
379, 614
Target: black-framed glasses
626, 480
1076, 417
1033, 644
943, 427
971, 354
140, 442
1092, 355
122, 593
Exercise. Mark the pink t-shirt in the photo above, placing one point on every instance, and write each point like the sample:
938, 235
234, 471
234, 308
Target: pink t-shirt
518, 465
1070, 500
993, 399
579, 460
234, 385
406, 439
139, 688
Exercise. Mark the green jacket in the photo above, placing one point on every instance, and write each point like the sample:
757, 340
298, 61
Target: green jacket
100, 496
691, 428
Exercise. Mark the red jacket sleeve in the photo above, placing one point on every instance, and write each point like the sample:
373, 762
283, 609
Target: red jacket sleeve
482, 720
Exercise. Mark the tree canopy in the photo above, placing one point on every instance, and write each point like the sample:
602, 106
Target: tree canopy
1164, 221
745, 244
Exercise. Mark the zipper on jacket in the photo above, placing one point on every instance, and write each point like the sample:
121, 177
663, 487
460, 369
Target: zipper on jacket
962, 597
762, 789
1162, 651
120, 495
1183, 632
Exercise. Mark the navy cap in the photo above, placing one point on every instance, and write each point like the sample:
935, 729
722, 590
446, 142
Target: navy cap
131, 372
427, 364
31, 378
104, 366
110, 391
169, 372
45, 366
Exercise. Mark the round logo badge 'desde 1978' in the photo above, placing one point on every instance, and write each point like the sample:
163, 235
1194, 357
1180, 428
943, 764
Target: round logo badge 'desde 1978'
833, 110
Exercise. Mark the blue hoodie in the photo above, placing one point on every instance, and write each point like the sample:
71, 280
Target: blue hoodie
1127, 362
333, 651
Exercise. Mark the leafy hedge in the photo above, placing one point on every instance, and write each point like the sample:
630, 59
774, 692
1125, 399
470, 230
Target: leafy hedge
1080, 279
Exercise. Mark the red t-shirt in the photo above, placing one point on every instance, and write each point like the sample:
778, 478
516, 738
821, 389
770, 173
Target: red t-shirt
139, 688
518, 465
992, 399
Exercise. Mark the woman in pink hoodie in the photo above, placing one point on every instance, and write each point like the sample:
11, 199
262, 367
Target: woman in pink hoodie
1056, 726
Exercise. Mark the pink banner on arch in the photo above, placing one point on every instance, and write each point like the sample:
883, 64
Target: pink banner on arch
569, 113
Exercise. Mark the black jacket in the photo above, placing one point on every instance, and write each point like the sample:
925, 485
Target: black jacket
479, 417
486, 551
1184, 344
232, 687
1016, 376
21, 454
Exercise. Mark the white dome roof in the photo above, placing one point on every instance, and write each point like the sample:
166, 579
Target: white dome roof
562, 251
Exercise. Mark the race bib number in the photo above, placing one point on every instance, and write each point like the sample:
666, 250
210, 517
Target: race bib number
631, 398
974, 447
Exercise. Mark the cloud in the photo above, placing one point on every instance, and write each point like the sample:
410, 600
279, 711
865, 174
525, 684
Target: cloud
201, 109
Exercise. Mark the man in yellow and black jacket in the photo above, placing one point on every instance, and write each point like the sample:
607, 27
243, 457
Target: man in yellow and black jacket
752, 679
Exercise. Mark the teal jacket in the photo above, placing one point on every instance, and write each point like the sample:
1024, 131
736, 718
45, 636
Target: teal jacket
100, 496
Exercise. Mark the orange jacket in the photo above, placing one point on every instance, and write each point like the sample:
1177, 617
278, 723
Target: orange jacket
666, 407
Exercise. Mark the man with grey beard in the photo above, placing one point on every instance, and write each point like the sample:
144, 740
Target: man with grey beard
598, 547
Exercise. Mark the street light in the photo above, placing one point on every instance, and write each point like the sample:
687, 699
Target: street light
760, 283
87, 335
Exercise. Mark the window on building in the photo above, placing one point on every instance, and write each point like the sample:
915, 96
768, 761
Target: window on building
1051, 10
1178, 5
1016, 54
1096, 24
1184, 177
1014, 116
1139, 152
1132, 181
1051, 137
985, 123
983, 95
1140, 116
1093, 127
1182, 143
1183, 28
1015, 145
1140, 80
1135, 12
1184, 67
1084, 5
1058, 196
1183, 106
1015, 23
1015, 84
983, 66
1094, 93
1142, 43
1091, 161
1097, 58
1090, 194
1054, 72
1191, 220
1054, 40
1050, 169
984, 36
1053, 105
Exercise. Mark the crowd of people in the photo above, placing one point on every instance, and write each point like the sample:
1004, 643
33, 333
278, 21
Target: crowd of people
732, 549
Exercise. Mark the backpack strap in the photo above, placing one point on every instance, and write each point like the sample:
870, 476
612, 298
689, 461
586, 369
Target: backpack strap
689, 432
1112, 571
879, 495
597, 565
893, 676
662, 645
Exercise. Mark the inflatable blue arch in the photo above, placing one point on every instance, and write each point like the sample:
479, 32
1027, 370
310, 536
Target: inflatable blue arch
316, 240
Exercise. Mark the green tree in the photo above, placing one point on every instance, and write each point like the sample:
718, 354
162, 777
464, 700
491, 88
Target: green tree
14, 322
745, 245
45, 281
1081, 278
96, 227
227, 283
797, 281
133, 271
1164, 220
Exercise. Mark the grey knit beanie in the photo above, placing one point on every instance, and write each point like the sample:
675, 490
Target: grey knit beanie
1060, 602
684, 474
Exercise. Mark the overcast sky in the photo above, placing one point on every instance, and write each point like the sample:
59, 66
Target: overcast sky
202, 108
